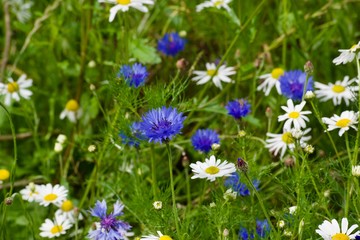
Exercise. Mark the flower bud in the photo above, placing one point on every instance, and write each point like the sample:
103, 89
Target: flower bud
8, 201
157, 205
309, 95
268, 112
181, 64
242, 165
309, 68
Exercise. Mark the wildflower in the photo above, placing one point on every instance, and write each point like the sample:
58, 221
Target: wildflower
214, 3
59, 145
4, 175
347, 120
294, 115
157, 205
309, 94
309, 149
171, 44
296, 133
30, 192
125, 5
154, 237
51, 194
15, 90
61, 139
212, 205
72, 111
203, 139
242, 165
281, 223
230, 194
348, 55
262, 231
355, 170
21, 9
233, 181
280, 142
55, 228
161, 124
292, 84
134, 76
215, 146
217, 76
135, 137
292, 210
309, 67
337, 92
238, 108
92, 148
181, 64
67, 209
241, 133
331, 230
110, 227
271, 80
212, 168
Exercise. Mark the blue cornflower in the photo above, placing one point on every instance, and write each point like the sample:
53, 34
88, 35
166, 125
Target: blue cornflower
262, 231
110, 227
135, 137
134, 75
161, 124
292, 84
233, 181
203, 139
171, 44
238, 108
244, 234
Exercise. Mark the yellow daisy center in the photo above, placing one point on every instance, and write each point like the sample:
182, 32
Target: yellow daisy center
165, 237
340, 236
343, 122
4, 174
72, 105
56, 229
211, 72
294, 115
123, 2
277, 72
12, 87
67, 206
212, 170
217, 3
50, 197
287, 138
338, 88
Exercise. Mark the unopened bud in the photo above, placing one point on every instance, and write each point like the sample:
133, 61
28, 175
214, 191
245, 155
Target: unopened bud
92, 87
215, 146
92, 64
242, 165
289, 162
309, 149
157, 205
309, 68
92, 148
182, 64
268, 112
309, 95
61, 138
281, 224
184, 159
58, 147
226, 232
8, 201
182, 33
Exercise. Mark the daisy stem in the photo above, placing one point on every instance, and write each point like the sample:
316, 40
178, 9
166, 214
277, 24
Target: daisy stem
175, 212
356, 147
349, 180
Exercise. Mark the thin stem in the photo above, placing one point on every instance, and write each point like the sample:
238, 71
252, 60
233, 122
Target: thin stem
349, 180
153, 174
6, 51
175, 212
356, 147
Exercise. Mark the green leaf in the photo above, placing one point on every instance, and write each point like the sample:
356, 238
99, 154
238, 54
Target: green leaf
141, 50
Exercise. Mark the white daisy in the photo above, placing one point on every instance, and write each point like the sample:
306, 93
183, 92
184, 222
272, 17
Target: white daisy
72, 111
294, 115
217, 76
67, 209
271, 80
55, 228
212, 168
214, 3
125, 5
159, 237
277, 142
30, 192
15, 90
331, 230
51, 194
347, 120
338, 91
348, 55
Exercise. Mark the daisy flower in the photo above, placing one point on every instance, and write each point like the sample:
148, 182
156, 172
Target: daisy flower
30, 192
271, 80
294, 115
280, 142
203, 139
212, 168
67, 209
135, 75
238, 108
161, 124
331, 230
217, 76
337, 92
347, 55
347, 120
125, 5
72, 111
171, 44
51, 194
292, 84
4, 175
55, 228
154, 237
214, 3
15, 90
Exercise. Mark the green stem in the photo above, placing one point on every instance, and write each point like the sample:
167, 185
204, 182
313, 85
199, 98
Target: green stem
349, 180
153, 174
175, 212
356, 147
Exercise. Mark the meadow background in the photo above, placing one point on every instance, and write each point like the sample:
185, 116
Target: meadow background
71, 51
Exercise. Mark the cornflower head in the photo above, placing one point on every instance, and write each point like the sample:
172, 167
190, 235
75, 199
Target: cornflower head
203, 139
238, 108
161, 124
171, 44
135, 137
233, 181
135, 75
292, 84
110, 227
262, 231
